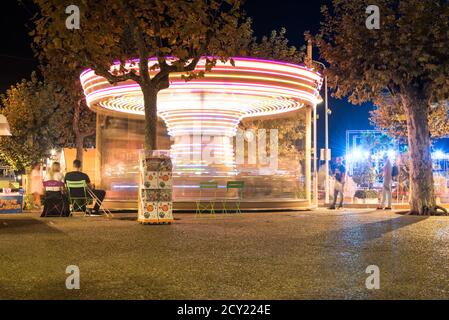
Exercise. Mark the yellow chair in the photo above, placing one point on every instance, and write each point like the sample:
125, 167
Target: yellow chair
232, 185
208, 206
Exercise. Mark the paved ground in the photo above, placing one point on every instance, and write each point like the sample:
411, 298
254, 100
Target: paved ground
302, 255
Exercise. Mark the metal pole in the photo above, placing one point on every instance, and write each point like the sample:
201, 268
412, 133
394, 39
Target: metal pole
308, 156
326, 147
315, 149
309, 63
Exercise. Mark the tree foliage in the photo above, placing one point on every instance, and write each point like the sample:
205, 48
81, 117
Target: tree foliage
409, 52
177, 32
29, 107
75, 121
291, 132
406, 59
391, 118
291, 128
276, 47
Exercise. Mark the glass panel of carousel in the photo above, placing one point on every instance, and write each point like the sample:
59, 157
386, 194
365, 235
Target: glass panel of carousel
280, 174
266, 155
119, 140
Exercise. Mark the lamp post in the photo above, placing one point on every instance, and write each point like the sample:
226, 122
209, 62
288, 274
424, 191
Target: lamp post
326, 144
315, 158
309, 62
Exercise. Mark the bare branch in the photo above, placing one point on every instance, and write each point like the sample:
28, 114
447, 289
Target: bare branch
88, 133
139, 39
116, 78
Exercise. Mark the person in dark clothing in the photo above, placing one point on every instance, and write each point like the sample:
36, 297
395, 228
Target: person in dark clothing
339, 173
77, 175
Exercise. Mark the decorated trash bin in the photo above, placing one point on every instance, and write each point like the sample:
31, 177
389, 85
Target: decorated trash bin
155, 188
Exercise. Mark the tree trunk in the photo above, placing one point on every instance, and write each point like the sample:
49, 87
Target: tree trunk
150, 104
422, 198
79, 141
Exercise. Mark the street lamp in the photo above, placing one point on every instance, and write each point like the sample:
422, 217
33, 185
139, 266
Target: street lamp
309, 62
326, 144
315, 157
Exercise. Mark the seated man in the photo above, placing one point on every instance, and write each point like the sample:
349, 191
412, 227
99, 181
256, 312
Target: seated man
77, 175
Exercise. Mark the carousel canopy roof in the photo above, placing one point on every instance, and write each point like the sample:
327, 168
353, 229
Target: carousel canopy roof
254, 87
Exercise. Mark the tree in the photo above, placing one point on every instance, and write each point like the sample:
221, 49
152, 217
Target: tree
276, 47
364, 175
372, 143
29, 107
292, 128
407, 59
291, 131
73, 120
390, 118
177, 32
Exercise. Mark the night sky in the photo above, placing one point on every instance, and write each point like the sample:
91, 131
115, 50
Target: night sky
17, 61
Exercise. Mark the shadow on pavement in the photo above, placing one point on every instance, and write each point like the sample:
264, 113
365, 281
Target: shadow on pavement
126, 218
25, 225
362, 232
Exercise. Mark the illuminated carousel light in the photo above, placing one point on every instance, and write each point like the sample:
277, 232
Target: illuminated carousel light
213, 105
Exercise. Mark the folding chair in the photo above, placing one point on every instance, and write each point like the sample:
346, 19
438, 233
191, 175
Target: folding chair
96, 200
55, 202
78, 203
209, 206
239, 185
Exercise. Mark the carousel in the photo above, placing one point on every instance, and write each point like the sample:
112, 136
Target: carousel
198, 128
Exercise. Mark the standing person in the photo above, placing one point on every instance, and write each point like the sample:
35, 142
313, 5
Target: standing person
386, 188
36, 185
339, 174
78, 175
